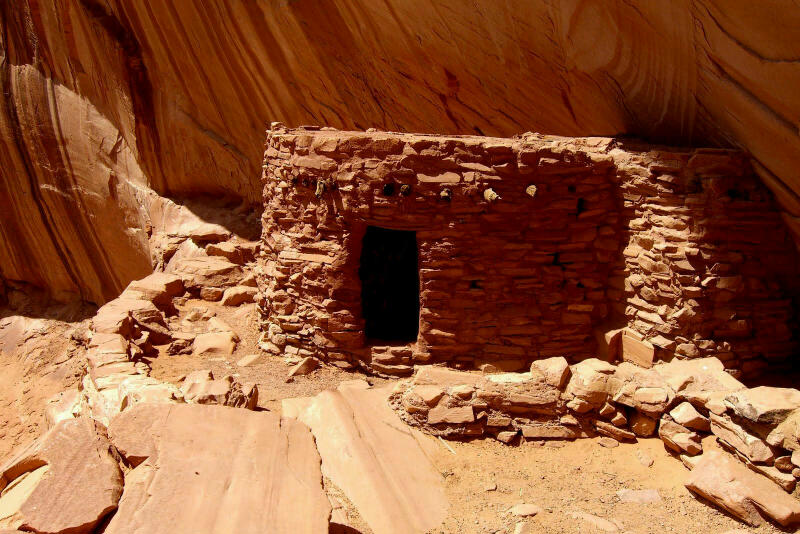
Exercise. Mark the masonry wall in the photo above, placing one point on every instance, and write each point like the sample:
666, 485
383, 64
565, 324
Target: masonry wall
709, 267
528, 248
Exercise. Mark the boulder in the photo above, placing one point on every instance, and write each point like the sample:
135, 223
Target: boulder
767, 405
548, 431
641, 389
206, 232
304, 366
699, 380
181, 343
238, 295
386, 472
119, 315
211, 294
518, 392
787, 433
636, 350
687, 415
215, 344
238, 252
453, 416
727, 483
200, 387
216, 469
524, 510
642, 425
590, 382
555, 371
158, 288
679, 438
430, 395
67, 481
619, 434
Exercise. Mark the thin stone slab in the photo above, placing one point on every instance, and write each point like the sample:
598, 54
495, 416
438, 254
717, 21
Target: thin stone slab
67, 481
726, 482
374, 458
201, 468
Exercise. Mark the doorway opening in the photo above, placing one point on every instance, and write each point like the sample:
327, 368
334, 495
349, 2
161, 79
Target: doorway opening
390, 285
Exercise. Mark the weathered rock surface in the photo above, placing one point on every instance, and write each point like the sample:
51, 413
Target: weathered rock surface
724, 74
200, 387
217, 469
730, 485
215, 343
371, 455
687, 415
158, 288
67, 481
736, 436
764, 404
679, 438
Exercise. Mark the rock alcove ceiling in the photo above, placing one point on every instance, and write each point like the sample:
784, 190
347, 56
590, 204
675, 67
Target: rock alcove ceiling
105, 103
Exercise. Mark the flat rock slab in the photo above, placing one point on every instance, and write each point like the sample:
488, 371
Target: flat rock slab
374, 458
726, 482
644, 496
217, 469
764, 404
67, 481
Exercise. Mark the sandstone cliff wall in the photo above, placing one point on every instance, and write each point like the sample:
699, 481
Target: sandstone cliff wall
527, 248
180, 91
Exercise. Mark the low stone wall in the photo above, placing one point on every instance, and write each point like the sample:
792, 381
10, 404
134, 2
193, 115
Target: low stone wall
528, 248
680, 401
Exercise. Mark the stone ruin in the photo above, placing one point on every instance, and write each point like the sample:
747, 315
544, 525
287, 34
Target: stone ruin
385, 251
602, 287
535, 289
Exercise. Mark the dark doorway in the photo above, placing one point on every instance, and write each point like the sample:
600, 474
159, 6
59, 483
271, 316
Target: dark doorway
390, 285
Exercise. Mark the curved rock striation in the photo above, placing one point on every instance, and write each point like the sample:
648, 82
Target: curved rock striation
103, 100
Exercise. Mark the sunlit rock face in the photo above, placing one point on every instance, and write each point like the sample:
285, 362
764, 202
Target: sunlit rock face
103, 101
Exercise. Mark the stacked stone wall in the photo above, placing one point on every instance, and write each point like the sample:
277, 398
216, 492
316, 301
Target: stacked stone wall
529, 247
709, 265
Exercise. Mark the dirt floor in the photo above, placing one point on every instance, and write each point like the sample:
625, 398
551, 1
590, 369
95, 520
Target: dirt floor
574, 484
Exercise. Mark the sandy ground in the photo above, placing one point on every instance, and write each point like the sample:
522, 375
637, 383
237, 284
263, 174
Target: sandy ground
567, 478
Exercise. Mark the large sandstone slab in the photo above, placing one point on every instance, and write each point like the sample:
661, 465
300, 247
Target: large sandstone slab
67, 481
217, 469
208, 271
726, 482
764, 404
158, 288
374, 458
736, 436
